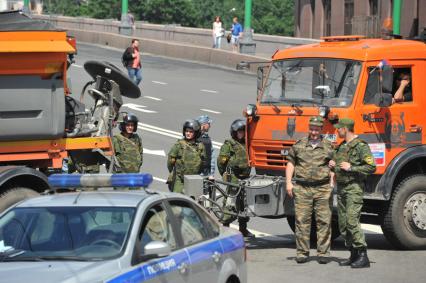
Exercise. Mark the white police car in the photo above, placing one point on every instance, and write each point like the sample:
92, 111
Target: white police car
117, 236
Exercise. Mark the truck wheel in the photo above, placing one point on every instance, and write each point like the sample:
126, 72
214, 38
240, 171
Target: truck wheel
404, 222
334, 228
14, 195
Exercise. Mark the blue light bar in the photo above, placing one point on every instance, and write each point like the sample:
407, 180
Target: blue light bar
100, 180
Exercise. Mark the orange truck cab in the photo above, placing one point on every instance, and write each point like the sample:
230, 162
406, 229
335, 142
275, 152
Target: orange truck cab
354, 77
41, 124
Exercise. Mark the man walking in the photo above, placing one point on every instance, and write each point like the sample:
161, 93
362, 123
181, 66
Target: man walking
132, 62
237, 32
352, 163
233, 166
308, 161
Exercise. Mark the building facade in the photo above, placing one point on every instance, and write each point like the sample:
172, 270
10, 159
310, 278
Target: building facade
317, 18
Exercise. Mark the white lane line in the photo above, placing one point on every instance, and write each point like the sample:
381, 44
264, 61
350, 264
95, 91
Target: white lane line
77, 66
210, 111
154, 152
372, 228
159, 180
208, 90
138, 107
258, 234
168, 133
153, 98
159, 83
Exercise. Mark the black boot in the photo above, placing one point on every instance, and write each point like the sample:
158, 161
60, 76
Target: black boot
362, 261
243, 229
352, 258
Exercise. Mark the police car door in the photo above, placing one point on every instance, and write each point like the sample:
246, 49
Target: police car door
156, 226
201, 240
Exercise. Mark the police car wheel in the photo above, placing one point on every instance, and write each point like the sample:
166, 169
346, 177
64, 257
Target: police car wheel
14, 195
404, 221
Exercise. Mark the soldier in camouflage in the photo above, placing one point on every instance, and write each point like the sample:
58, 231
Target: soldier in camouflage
127, 145
233, 165
352, 163
308, 168
186, 157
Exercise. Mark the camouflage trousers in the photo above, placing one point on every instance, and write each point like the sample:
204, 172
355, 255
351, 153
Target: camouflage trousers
317, 200
178, 185
349, 204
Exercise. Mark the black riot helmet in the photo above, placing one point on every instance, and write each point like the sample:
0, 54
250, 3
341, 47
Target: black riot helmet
237, 125
129, 118
193, 125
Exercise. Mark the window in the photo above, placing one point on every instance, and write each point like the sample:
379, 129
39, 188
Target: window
189, 222
400, 93
156, 227
349, 14
327, 17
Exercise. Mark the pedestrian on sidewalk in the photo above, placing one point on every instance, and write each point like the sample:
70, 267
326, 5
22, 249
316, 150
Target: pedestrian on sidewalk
237, 32
218, 32
132, 61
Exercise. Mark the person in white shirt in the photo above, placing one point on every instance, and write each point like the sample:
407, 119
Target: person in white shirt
218, 32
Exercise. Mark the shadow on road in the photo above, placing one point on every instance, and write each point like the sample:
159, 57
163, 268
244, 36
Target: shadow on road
374, 242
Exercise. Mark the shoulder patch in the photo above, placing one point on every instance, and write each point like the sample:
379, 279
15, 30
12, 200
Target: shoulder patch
369, 160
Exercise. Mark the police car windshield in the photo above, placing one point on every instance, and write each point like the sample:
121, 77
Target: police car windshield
64, 233
312, 81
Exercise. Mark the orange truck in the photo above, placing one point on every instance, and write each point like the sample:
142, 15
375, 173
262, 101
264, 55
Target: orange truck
40, 123
355, 77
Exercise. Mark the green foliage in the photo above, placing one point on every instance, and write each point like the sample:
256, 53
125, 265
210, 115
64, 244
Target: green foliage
268, 16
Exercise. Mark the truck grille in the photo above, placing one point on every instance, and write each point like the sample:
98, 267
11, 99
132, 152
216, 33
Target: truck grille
270, 154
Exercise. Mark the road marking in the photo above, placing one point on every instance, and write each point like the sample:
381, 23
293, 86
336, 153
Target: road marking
154, 152
153, 98
258, 234
372, 228
138, 108
77, 66
159, 83
210, 111
159, 179
208, 90
168, 133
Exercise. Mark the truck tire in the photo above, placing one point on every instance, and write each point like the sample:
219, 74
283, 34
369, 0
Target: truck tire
404, 221
334, 228
14, 195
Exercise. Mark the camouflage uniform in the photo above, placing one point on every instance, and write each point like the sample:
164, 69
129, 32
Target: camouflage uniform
233, 165
184, 158
350, 188
312, 193
128, 153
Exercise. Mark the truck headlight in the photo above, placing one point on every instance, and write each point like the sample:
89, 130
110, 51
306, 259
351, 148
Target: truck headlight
251, 110
323, 111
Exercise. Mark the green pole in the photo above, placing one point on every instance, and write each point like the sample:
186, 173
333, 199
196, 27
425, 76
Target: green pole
125, 25
397, 16
26, 8
247, 15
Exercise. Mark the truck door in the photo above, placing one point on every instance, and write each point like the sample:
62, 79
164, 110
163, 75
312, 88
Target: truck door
391, 129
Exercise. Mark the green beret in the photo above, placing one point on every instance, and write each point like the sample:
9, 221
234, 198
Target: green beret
316, 121
345, 122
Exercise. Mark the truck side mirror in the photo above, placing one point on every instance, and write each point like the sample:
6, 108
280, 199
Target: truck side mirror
383, 99
387, 79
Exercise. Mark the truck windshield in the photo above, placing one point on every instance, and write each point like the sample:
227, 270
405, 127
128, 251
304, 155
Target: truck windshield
312, 81
64, 233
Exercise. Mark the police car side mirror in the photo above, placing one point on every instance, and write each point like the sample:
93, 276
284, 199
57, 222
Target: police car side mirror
383, 99
156, 249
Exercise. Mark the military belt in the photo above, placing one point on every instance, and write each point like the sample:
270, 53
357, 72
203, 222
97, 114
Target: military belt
312, 183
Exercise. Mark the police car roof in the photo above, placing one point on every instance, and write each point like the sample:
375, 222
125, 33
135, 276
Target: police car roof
89, 199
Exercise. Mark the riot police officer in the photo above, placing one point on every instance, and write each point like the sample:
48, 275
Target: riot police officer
233, 165
186, 157
127, 145
205, 123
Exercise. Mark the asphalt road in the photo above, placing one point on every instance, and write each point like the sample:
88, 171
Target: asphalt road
173, 91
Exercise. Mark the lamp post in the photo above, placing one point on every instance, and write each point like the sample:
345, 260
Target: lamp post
26, 8
397, 17
247, 45
126, 27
